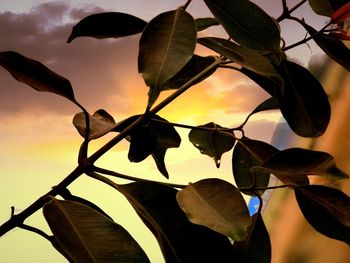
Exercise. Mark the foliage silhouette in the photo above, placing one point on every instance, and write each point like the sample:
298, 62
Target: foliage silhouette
193, 224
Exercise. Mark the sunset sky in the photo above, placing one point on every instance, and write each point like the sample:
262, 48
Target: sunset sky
39, 144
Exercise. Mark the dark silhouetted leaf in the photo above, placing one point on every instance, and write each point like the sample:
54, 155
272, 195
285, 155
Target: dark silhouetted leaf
247, 24
195, 66
242, 162
105, 25
88, 236
304, 103
166, 45
326, 209
216, 204
212, 142
268, 104
332, 46
259, 150
179, 239
101, 123
204, 23
35, 74
298, 161
326, 7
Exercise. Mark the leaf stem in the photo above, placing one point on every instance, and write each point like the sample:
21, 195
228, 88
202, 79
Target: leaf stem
36, 231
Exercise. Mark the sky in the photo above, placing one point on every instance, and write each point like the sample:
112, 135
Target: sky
39, 144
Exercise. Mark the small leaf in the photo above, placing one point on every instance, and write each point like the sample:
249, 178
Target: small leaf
216, 204
166, 45
105, 25
101, 123
341, 14
326, 209
195, 66
297, 161
247, 24
179, 239
88, 236
333, 47
35, 74
204, 23
212, 142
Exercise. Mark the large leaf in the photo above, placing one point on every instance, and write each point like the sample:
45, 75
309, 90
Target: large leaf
248, 58
298, 161
242, 161
195, 66
101, 122
88, 236
105, 25
303, 103
35, 74
204, 23
332, 46
179, 239
247, 24
216, 204
166, 45
326, 209
213, 143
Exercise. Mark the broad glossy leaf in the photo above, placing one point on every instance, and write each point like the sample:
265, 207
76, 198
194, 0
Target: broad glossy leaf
101, 123
35, 74
248, 58
326, 209
179, 239
242, 162
105, 25
326, 7
204, 23
247, 24
166, 45
298, 161
332, 46
195, 66
88, 236
304, 103
212, 142
216, 204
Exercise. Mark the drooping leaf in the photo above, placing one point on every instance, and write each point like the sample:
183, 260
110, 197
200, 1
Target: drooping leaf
242, 162
105, 25
179, 239
204, 23
216, 204
298, 161
341, 14
88, 236
326, 209
101, 123
35, 74
195, 66
247, 24
303, 103
248, 58
326, 7
213, 143
332, 46
166, 45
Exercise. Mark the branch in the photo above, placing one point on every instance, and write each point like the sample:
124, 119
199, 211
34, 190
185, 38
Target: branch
287, 12
36, 231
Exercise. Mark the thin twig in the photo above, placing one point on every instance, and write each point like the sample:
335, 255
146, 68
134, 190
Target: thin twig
36, 231
187, 4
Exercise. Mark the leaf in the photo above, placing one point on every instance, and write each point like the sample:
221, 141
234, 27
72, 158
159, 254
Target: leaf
332, 46
195, 66
105, 25
259, 150
268, 104
326, 209
216, 204
36, 75
179, 239
341, 14
304, 103
166, 45
326, 7
212, 142
242, 162
247, 24
204, 23
248, 58
298, 161
88, 236
101, 123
